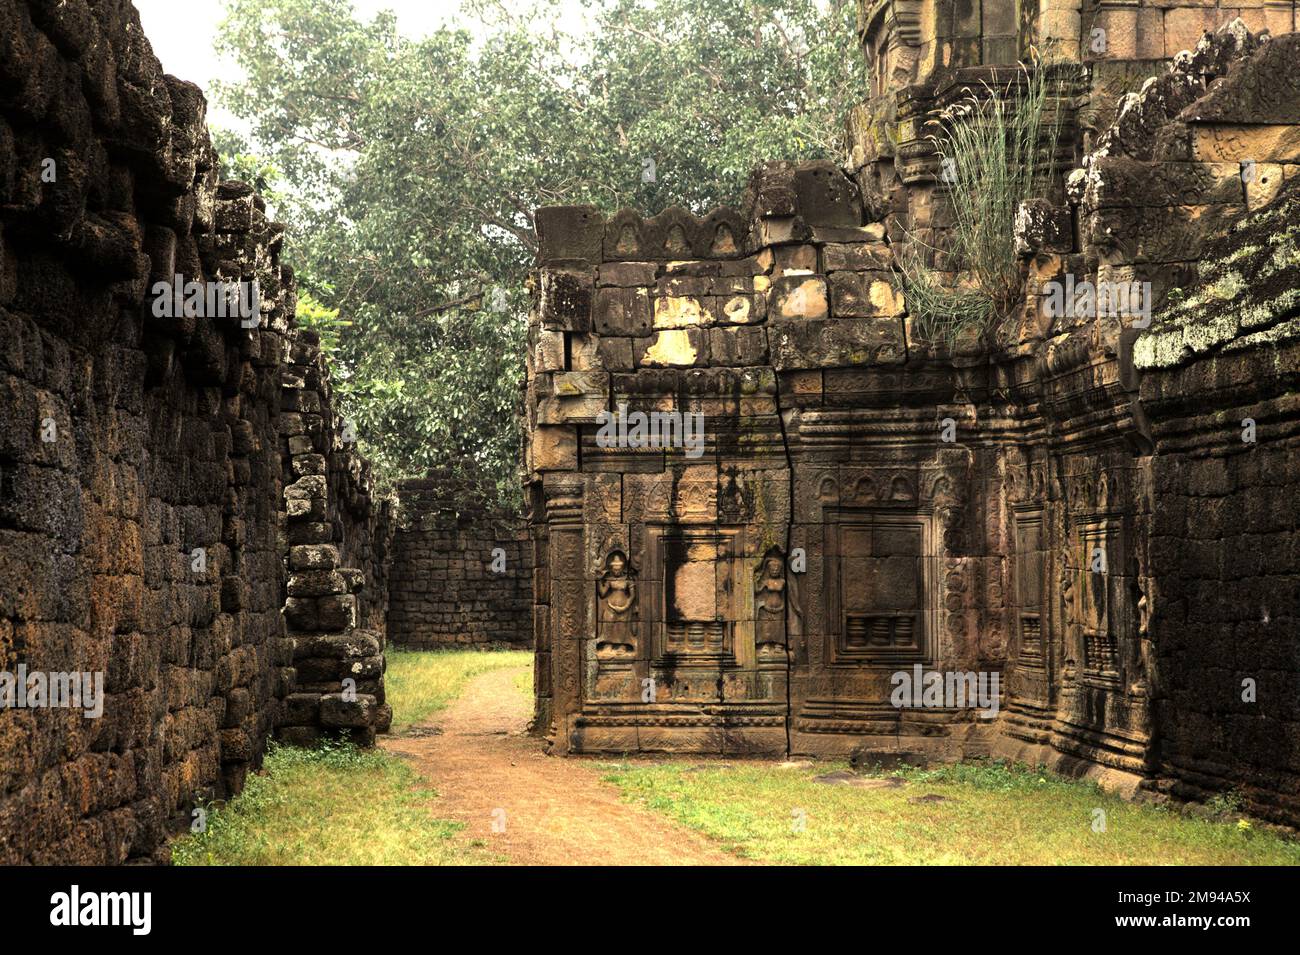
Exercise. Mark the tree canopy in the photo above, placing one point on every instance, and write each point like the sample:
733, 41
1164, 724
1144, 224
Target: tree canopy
409, 171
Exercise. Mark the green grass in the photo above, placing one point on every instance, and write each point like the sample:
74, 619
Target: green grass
419, 683
997, 815
335, 805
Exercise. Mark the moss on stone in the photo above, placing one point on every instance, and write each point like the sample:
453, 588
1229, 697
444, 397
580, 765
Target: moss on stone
1249, 291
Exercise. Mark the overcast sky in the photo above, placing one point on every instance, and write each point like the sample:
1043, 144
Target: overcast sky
184, 34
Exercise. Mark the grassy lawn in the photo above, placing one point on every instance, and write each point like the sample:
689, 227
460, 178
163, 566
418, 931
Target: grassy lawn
329, 806
990, 815
340, 806
419, 683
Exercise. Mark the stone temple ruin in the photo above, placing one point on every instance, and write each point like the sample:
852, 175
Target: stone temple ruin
1102, 517
1082, 511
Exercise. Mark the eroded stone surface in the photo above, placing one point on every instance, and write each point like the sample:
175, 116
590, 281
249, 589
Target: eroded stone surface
1091, 531
172, 489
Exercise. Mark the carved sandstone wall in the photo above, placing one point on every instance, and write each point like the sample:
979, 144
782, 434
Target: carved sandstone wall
1221, 384
445, 590
929, 54
128, 443
910, 41
1006, 509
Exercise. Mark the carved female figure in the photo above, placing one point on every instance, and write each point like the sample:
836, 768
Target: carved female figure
769, 605
617, 590
1070, 600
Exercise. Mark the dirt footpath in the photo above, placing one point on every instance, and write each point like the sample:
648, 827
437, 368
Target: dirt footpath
556, 810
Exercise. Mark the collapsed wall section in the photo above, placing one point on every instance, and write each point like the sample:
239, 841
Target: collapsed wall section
338, 540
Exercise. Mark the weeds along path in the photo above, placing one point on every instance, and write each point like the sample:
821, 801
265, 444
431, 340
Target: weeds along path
556, 810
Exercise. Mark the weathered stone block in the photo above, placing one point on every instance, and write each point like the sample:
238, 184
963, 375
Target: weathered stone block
864, 295
570, 233
793, 259
740, 309
835, 343
856, 256
302, 709
345, 646
799, 297
777, 230
584, 409
627, 274
548, 352
825, 196
616, 354
566, 299
1263, 183
553, 448
313, 557
1262, 142
680, 311
309, 532
672, 348
1124, 182
335, 611
737, 347
622, 311
1043, 227
316, 583
335, 711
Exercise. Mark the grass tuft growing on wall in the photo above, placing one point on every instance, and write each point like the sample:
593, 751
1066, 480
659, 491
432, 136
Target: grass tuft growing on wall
996, 150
